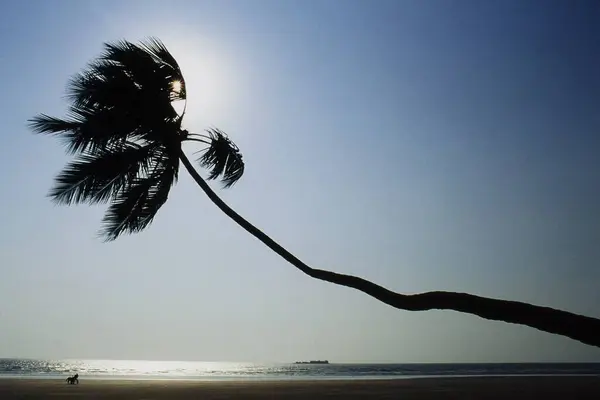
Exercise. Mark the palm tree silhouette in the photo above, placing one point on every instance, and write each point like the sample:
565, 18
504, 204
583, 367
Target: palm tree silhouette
127, 141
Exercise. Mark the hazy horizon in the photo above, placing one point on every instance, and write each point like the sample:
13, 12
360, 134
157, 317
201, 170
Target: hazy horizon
266, 362
423, 145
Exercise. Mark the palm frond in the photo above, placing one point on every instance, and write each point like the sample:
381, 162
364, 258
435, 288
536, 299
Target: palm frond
135, 208
125, 213
223, 158
97, 177
66, 129
131, 58
168, 63
150, 64
97, 85
44, 123
87, 129
160, 52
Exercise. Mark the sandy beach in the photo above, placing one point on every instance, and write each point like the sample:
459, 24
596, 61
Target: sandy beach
426, 388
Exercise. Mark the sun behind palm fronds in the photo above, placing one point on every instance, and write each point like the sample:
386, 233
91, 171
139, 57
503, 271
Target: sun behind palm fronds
126, 137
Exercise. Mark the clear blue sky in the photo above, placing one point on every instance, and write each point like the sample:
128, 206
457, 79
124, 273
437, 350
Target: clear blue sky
426, 145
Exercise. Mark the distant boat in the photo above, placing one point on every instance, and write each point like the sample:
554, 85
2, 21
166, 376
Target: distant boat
312, 362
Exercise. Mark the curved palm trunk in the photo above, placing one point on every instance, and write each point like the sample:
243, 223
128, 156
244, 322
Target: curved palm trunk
578, 327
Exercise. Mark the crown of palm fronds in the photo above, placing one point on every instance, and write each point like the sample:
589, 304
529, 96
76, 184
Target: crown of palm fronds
126, 136
223, 158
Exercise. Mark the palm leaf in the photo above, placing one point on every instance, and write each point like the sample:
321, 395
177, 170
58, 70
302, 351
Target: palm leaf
125, 213
149, 64
96, 86
97, 177
135, 209
223, 158
138, 63
89, 129
46, 124
169, 65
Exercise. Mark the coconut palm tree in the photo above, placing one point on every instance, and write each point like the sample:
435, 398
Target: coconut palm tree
127, 141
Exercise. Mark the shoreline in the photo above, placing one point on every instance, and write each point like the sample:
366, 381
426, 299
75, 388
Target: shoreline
523, 387
287, 378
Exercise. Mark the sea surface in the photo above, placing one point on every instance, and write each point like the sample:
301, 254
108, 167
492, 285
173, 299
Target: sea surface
131, 369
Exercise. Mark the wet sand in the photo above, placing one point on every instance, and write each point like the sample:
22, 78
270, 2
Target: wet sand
545, 388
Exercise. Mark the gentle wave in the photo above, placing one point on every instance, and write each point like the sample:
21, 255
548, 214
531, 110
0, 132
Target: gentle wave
132, 369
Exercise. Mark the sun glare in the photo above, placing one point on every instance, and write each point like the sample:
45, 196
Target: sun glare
212, 79
176, 87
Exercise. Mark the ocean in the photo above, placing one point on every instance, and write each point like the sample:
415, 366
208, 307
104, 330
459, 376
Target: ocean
131, 369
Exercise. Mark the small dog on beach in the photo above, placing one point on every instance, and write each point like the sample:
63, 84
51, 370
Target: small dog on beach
73, 379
